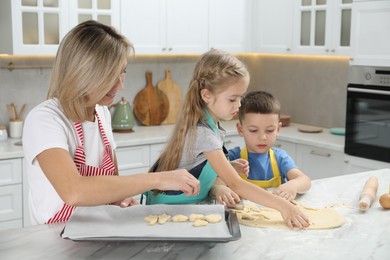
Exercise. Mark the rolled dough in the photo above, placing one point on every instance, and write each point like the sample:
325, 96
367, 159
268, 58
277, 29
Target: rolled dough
320, 218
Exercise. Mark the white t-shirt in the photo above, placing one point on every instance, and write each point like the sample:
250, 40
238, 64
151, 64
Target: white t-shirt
47, 127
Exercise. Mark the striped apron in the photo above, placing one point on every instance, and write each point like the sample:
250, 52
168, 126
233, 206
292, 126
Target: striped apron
108, 168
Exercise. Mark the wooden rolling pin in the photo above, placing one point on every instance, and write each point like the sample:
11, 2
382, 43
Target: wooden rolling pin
368, 194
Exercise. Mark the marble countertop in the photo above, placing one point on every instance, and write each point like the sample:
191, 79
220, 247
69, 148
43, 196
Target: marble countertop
143, 135
363, 236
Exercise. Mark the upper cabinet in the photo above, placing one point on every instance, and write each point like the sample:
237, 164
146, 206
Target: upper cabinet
32, 26
166, 26
37, 26
273, 26
230, 26
104, 11
322, 27
186, 26
371, 33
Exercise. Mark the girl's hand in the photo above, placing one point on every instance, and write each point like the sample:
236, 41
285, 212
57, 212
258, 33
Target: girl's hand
179, 180
225, 196
294, 217
241, 166
286, 191
127, 202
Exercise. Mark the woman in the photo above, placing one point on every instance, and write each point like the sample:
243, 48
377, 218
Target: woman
68, 142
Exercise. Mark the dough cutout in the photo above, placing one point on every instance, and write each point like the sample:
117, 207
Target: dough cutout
320, 218
213, 218
194, 217
179, 218
200, 223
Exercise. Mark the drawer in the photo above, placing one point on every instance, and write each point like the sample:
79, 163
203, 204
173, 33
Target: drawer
133, 157
11, 202
10, 171
234, 141
16, 223
155, 151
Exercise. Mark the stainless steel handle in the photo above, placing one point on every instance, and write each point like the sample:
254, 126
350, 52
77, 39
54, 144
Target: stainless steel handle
371, 91
318, 153
228, 141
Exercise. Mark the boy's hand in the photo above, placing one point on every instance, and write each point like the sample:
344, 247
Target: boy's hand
241, 166
225, 196
286, 191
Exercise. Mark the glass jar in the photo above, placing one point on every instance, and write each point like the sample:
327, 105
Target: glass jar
3, 133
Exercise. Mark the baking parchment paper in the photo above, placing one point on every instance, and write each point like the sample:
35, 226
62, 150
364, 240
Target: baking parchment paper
109, 222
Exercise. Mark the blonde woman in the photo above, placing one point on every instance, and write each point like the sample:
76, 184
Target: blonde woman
68, 142
218, 82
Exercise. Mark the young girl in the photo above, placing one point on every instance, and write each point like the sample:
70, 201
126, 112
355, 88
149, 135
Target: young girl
218, 82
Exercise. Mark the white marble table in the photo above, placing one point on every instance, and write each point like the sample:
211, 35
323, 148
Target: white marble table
364, 236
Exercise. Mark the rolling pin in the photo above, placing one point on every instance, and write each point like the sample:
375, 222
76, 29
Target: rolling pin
368, 194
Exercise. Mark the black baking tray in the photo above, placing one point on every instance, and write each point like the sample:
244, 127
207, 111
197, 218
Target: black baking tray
230, 219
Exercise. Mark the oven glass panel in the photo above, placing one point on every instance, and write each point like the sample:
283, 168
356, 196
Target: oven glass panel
368, 124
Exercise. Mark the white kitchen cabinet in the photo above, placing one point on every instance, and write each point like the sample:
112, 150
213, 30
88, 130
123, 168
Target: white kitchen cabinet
32, 27
166, 26
38, 26
232, 141
289, 147
357, 164
133, 159
273, 29
370, 33
318, 163
230, 25
104, 11
322, 27
11, 213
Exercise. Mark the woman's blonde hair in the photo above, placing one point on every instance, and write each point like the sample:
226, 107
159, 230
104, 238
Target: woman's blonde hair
214, 71
89, 61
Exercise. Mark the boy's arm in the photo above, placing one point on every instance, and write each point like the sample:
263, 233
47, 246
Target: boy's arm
297, 182
223, 194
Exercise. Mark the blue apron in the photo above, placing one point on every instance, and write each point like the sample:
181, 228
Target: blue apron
203, 172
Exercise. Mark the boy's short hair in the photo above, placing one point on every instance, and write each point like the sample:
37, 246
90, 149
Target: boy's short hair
259, 102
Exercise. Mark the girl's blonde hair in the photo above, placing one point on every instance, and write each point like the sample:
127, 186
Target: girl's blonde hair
214, 71
89, 61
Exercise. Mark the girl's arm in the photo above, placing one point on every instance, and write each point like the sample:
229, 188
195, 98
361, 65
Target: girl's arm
76, 190
297, 182
291, 215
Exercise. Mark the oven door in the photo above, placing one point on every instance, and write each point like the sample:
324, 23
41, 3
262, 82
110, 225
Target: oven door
368, 122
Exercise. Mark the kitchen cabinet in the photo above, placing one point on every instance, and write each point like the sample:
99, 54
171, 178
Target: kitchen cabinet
322, 27
37, 26
11, 213
232, 141
273, 30
289, 147
230, 25
370, 33
357, 164
166, 26
318, 162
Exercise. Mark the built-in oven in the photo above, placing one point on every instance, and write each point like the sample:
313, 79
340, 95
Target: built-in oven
367, 126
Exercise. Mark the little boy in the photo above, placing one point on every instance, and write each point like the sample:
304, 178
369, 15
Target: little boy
259, 124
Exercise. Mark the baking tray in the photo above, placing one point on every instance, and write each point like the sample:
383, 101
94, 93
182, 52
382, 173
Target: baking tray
118, 218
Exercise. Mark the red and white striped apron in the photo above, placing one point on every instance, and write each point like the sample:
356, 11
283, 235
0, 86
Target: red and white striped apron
108, 168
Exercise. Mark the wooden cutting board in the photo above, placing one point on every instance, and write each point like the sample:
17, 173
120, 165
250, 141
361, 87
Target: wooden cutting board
151, 105
173, 91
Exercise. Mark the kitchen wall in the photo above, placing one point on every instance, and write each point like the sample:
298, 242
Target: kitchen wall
312, 89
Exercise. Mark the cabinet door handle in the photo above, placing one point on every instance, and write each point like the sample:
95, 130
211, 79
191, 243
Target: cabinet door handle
228, 141
320, 153
278, 145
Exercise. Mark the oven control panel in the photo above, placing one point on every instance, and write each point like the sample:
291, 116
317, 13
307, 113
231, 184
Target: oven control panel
378, 76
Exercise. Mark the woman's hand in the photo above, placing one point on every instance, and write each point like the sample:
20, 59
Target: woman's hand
224, 195
179, 180
241, 166
127, 202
